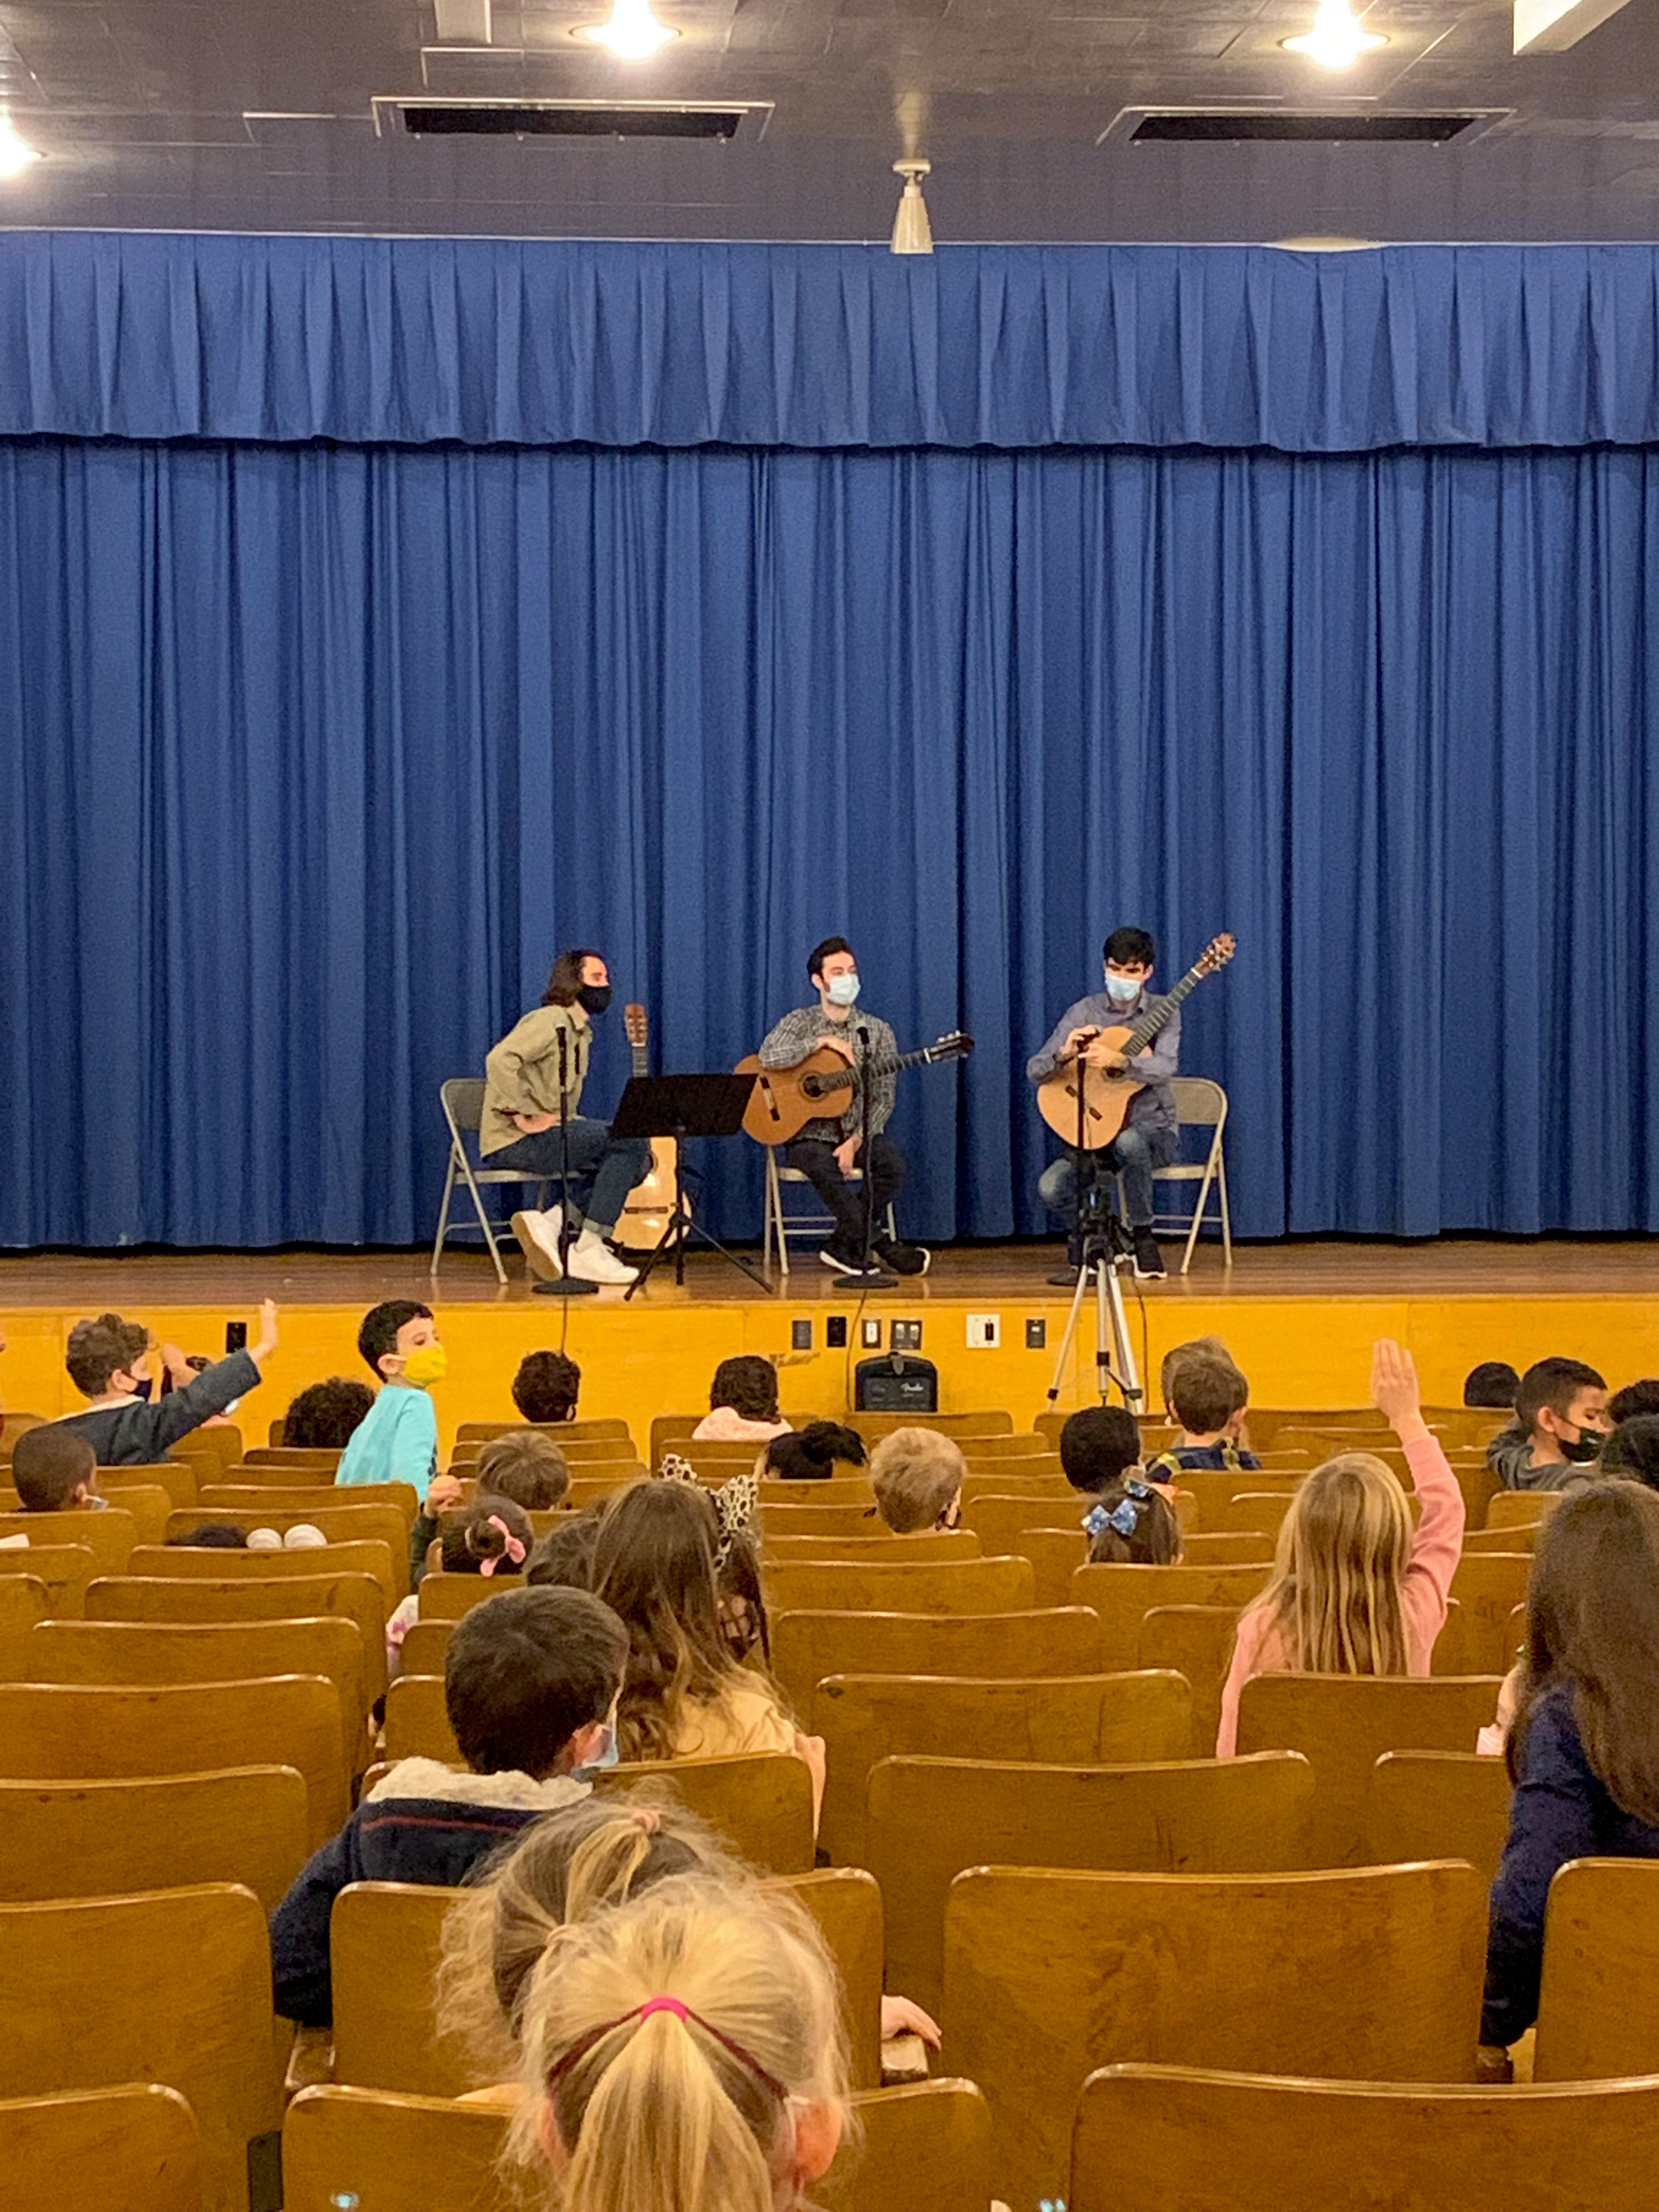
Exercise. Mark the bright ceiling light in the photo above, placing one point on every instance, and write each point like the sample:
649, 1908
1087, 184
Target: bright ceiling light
16, 154
912, 231
1336, 41
633, 33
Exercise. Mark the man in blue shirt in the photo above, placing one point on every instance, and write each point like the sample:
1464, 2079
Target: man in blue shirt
1147, 1138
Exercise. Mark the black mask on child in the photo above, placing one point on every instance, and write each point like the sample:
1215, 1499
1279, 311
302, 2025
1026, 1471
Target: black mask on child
1585, 1446
593, 998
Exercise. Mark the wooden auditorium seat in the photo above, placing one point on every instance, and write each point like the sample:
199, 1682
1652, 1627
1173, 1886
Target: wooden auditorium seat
99, 2150
760, 1802
185, 1563
1489, 1585
942, 1586
569, 1436
1436, 1805
808, 1645
341, 1524
353, 1596
1598, 2002
1522, 1508
77, 1838
851, 1551
157, 1654
253, 1504
64, 1572
1122, 1596
1197, 1642
1374, 1975
859, 1520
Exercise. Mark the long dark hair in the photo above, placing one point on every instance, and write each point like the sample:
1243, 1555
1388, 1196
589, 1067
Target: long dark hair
565, 978
1593, 1628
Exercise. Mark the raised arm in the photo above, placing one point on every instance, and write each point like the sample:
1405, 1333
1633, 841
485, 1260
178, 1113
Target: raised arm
1438, 1541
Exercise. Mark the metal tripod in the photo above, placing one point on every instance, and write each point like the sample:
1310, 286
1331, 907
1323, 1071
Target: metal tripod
1107, 1253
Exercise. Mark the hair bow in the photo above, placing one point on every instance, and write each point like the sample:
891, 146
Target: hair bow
1123, 1519
512, 1547
1134, 1487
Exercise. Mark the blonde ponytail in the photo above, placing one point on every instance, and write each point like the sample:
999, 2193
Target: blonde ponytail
671, 2039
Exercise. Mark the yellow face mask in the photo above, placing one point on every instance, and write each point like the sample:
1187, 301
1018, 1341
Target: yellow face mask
427, 1365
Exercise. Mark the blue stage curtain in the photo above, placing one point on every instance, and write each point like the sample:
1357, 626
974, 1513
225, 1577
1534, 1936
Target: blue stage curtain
420, 341
313, 756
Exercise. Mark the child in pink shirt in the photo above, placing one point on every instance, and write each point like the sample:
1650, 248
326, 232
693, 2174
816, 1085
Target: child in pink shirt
1355, 1588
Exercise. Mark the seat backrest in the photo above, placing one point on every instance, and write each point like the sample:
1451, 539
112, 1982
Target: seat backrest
341, 1523
1226, 1548
1039, 1484
289, 1461
425, 1646
446, 1597
924, 1544
807, 1645
1258, 1512
357, 1597
367, 2147
75, 1838
22, 1603
1150, 2137
1343, 1723
760, 1802
569, 1436
1124, 1595
185, 1563
1000, 1519
1598, 2002
835, 1490
90, 2150
1200, 1103
941, 1586
1048, 1975
1197, 1641
109, 1535
1096, 1720
62, 1570
53, 1733
1522, 1508
1438, 1805
148, 1503
846, 1904
859, 1520
993, 1422
1214, 1487
1489, 1585
280, 1504
159, 1653
1015, 1449
928, 1819
174, 1988
926, 2148
463, 1100
417, 1722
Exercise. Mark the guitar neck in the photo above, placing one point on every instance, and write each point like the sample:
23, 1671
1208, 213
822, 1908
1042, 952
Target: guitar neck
841, 1078
1150, 1024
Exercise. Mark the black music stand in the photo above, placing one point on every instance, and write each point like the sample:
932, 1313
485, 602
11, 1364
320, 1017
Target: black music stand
681, 1106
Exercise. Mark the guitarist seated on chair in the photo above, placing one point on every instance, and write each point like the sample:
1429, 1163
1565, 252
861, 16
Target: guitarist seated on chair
1148, 1139
827, 1151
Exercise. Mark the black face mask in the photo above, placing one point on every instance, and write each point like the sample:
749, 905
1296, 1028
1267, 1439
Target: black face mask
1585, 1446
593, 998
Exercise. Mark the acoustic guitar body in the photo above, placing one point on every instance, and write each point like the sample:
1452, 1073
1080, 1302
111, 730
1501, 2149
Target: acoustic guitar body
783, 1100
649, 1206
1106, 1097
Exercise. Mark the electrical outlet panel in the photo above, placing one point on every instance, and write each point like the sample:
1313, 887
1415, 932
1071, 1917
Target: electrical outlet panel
984, 1332
1037, 1333
869, 1332
801, 1336
906, 1336
834, 1331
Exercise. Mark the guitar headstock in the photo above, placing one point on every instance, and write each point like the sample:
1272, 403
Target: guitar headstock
1216, 954
957, 1046
633, 1023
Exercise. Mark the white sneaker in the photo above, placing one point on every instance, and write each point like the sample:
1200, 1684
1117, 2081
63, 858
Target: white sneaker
538, 1235
592, 1260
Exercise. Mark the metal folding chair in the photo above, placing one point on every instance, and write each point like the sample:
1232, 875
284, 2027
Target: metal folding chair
462, 1098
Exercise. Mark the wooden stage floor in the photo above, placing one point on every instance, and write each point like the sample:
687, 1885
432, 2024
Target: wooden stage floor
1300, 1317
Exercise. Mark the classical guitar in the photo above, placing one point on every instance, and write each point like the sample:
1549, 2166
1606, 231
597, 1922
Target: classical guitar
785, 1099
649, 1205
1107, 1091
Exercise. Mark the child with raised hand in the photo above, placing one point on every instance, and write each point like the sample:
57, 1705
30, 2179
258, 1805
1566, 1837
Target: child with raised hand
398, 1440
1583, 1748
1355, 1589
123, 1427
684, 2053
1132, 1524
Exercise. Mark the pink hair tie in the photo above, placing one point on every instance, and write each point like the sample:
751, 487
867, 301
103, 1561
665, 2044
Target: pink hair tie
664, 2004
512, 1545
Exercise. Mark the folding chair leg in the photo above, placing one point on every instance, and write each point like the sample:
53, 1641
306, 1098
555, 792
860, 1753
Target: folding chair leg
1226, 1212
443, 1213
482, 1212
1199, 1204
774, 1229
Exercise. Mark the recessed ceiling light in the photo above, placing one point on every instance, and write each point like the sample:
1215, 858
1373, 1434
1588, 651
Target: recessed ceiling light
633, 32
17, 156
1335, 41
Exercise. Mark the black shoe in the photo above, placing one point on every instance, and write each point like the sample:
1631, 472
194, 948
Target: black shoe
1149, 1261
903, 1259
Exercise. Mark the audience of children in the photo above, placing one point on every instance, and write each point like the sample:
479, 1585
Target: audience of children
546, 1387
1583, 1748
326, 1416
1209, 1398
531, 1681
812, 1454
1561, 1422
1098, 1446
396, 1441
491, 1537
1491, 1386
124, 1426
743, 1403
917, 1475
1132, 1523
1355, 1589
54, 1469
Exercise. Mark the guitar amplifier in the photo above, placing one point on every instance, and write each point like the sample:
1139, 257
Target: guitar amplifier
897, 1383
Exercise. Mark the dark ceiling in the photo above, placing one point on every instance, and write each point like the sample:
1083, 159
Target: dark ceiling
256, 115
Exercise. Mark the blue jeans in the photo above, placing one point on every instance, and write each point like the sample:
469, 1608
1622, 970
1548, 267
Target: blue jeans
604, 1169
1133, 1154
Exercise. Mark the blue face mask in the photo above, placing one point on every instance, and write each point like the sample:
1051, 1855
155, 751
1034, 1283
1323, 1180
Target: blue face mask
1122, 990
608, 1753
842, 990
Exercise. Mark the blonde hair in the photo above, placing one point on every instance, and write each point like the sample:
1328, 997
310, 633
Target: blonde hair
526, 1466
671, 2113
915, 1474
565, 1868
1333, 1597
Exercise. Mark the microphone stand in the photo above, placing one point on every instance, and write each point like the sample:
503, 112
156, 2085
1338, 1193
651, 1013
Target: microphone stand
873, 1277
565, 1286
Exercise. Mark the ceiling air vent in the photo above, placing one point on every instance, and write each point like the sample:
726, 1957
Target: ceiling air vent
570, 119
1213, 126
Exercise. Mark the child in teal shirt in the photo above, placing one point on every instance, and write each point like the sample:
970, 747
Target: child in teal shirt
396, 1441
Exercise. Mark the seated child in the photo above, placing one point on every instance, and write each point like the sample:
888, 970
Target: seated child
1491, 1386
1098, 1446
812, 1454
1195, 1348
743, 1403
526, 1466
1132, 1524
1560, 1422
1209, 1397
1635, 1400
55, 1470
491, 1537
123, 1427
398, 1440
1581, 1749
1355, 1588
565, 1557
530, 1685
326, 1416
546, 1387
917, 1475
1632, 1451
